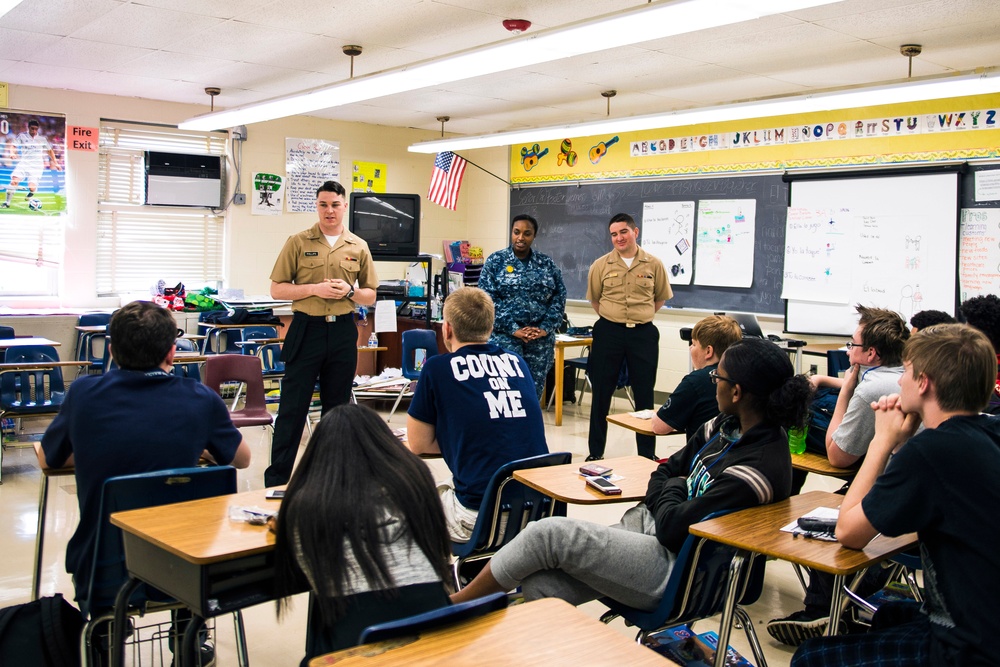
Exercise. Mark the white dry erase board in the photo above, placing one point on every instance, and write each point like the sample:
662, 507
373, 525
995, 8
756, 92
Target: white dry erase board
902, 236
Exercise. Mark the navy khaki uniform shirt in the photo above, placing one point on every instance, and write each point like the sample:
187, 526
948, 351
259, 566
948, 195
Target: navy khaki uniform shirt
307, 259
627, 294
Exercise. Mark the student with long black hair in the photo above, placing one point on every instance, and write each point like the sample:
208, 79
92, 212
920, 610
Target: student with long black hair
362, 525
739, 459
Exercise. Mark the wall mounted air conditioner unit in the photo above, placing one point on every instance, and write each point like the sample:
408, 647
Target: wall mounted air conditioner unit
176, 179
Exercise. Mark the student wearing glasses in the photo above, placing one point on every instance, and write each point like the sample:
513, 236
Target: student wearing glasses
876, 355
741, 460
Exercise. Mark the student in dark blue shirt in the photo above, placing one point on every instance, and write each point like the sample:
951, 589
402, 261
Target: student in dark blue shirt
692, 403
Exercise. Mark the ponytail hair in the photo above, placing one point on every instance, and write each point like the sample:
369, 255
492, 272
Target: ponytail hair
765, 373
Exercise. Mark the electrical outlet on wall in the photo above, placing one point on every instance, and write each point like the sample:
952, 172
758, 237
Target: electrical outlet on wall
239, 199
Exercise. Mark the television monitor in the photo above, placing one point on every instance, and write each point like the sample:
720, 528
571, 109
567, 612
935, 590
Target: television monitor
389, 223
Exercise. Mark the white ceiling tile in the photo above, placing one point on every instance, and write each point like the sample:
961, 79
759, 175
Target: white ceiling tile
22, 45
170, 66
146, 27
87, 55
235, 40
56, 17
223, 9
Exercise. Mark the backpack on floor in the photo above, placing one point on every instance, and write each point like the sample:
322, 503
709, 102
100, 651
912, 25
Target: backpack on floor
45, 633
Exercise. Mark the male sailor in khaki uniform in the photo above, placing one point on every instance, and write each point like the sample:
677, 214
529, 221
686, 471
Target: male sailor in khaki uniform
626, 287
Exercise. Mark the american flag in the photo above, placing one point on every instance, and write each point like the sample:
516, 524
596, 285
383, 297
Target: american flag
446, 179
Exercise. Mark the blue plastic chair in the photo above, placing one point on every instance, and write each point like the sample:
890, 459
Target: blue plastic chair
85, 341
30, 393
108, 572
697, 589
247, 344
414, 340
6, 332
508, 506
187, 370
270, 358
431, 620
366, 609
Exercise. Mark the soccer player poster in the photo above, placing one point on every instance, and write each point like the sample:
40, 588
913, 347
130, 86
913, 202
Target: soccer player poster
32, 159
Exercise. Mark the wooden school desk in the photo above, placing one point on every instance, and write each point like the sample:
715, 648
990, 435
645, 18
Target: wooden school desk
548, 632
758, 530
28, 340
193, 552
632, 423
821, 465
566, 484
560, 364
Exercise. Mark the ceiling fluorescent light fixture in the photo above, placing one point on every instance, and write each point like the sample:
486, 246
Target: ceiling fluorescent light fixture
643, 24
7, 5
978, 84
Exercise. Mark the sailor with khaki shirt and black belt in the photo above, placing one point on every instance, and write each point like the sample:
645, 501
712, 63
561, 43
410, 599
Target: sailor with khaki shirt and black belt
324, 271
626, 287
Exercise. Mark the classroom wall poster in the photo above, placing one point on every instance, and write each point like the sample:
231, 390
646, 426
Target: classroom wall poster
724, 244
979, 252
268, 194
32, 161
818, 251
308, 164
987, 185
368, 177
667, 229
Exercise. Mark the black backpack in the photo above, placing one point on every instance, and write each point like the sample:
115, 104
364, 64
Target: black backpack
45, 632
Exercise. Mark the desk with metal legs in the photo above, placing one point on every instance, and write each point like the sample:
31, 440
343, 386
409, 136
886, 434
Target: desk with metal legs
758, 530
43, 505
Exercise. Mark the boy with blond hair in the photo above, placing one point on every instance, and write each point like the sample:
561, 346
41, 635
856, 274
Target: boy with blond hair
693, 403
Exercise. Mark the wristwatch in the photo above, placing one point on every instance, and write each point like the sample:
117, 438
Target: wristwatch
350, 294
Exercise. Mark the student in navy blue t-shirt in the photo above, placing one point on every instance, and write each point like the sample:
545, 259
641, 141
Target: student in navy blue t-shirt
476, 406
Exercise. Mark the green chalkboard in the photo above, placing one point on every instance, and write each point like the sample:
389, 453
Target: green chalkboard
573, 230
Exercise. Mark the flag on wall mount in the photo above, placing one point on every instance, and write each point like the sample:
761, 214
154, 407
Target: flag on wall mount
446, 179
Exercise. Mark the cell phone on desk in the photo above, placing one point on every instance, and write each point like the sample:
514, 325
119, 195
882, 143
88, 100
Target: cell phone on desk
274, 494
604, 486
594, 470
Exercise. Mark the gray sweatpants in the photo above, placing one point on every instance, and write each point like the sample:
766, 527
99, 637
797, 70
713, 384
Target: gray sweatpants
579, 561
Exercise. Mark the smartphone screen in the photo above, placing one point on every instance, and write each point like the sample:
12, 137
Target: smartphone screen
603, 485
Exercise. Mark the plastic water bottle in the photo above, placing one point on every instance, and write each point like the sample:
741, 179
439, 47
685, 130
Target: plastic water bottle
797, 439
373, 340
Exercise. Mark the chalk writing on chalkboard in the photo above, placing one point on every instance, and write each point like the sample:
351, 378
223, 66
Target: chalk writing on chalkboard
573, 230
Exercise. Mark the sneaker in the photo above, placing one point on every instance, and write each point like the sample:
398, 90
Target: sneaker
593, 458
794, 629
4, 204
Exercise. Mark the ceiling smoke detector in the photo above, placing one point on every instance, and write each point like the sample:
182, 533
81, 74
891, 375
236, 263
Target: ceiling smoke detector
516, 26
